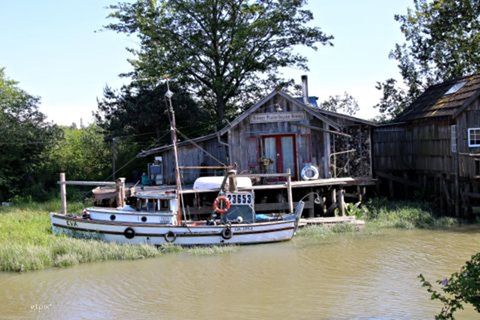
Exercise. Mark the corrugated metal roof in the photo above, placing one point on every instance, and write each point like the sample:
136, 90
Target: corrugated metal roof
434, 102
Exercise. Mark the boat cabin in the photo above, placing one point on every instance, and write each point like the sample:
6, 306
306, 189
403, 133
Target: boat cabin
145, 207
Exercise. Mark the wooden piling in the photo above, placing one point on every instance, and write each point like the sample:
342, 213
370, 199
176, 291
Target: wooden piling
333, 206
341, 202
232, 181
311, 200
63, 193
289, 190
390, 189
120, 190
405, 186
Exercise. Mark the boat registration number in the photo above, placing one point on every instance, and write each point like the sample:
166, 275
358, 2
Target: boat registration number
240, 198
71, 223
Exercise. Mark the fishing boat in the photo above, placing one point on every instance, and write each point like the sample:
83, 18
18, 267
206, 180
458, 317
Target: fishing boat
153, 219
159, 218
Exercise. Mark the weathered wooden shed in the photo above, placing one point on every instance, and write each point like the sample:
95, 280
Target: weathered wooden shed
434, 145
278, 133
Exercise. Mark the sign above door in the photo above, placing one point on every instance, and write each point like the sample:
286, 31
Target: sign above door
277, 117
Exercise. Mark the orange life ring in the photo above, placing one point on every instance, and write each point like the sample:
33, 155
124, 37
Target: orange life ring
221, 205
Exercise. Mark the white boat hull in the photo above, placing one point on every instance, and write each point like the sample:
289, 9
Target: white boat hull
159, 234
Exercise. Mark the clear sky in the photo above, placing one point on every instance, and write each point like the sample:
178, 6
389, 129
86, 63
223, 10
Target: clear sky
56, 50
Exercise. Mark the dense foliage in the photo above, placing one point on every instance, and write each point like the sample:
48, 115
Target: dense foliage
460, 288
225, 51
137, 113
83, 154
442, 43
25, 138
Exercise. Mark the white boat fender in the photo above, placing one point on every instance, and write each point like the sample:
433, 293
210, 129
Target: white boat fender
309, 172
129, 233
227, 233
170, 236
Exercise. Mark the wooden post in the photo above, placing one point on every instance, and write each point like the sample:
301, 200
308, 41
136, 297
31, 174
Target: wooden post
232, 181
405, 186
324, 206
120, 189
311, 200
341, 201
390, 188
359, 194
326, 152
289, 190
333, 206
63, 193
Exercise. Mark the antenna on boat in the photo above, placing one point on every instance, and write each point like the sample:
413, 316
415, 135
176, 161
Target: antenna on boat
173, 130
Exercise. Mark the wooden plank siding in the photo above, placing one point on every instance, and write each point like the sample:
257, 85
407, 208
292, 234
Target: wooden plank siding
190, 155
420, 146
242, 135
467, 155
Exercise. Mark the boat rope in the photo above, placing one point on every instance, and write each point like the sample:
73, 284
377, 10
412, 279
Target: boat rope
198, 146
131, 160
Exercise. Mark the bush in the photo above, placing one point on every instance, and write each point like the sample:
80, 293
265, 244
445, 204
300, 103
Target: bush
404, 215
460, 288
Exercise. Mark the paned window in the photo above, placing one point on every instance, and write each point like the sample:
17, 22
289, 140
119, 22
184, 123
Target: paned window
474, 137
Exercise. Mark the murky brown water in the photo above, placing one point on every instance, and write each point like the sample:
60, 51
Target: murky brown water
346, 277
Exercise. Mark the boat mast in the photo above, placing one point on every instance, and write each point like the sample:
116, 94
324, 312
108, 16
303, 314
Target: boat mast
173, 131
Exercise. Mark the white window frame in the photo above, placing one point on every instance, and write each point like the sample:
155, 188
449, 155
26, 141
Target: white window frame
470, 144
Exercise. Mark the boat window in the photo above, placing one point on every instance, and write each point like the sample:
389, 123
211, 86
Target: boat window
164, 204
143, 205
150, 205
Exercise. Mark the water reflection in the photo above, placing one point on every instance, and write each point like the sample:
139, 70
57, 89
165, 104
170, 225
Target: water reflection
348, 277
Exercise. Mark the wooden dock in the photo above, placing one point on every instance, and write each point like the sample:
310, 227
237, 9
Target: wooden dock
332, 221
281, 196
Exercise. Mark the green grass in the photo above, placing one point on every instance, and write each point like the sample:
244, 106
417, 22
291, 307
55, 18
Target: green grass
27, 242
381, 214
321, 232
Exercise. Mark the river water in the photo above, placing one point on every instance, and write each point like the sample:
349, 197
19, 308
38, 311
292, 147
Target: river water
362, 276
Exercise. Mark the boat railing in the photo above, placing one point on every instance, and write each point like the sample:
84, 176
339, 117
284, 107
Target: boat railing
119, 188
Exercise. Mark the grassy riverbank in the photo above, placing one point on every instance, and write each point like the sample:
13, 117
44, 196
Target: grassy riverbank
380, 214
27, 243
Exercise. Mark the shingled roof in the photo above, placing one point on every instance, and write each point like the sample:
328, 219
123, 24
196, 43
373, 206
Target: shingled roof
437, 101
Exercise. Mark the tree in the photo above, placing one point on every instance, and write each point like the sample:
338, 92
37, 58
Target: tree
224, 51
460, 288
83, 154
442, 43
137, 113
25, 137
343, 104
